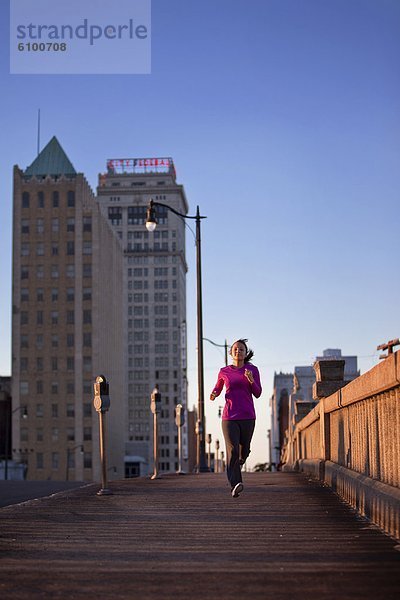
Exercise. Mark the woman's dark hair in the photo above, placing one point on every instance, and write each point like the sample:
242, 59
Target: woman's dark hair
249, 352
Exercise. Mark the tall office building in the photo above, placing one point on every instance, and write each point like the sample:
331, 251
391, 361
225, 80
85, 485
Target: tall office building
67, 324
154, 302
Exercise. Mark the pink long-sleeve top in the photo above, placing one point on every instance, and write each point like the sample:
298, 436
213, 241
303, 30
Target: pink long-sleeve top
239, 392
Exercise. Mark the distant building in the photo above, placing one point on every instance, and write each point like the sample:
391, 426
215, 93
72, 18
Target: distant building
302, 381
154, 303
5, 417
67, 323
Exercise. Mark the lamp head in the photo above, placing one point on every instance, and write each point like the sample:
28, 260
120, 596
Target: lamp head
151, 221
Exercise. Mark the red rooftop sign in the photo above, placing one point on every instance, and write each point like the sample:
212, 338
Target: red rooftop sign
139, 165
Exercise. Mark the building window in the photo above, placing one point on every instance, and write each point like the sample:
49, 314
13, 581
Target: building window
39, 317
70, 294
87, 434
40, 249
54, 249
54, 340
39, 387
70, 387
40, 410
87, 460
23, 363
24, 341
70, 340
56, 198
87, 340
54, 412
87, 364
87, 247
39, 341
24, 272
54, 271
39, 294
54, 388
70, 434
55, 225
39, 225
39, 460
87, 223
70, 410
87, 293
54, 294
39, 363
55, 431
54, 317
54, 363
25, 226
39, 271
70, 317
71, 199
25, 200
40, 200
71, 224
55, 460
115, 215
39, 435
24, 317
137, 215
87, 270
25, 249
87, 317
70, 363
71, 271
87, 409
70, 248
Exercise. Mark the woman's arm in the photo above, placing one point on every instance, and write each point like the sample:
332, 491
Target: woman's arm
217, 388
256, 388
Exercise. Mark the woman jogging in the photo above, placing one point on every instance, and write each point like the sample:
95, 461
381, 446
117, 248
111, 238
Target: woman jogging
242, 382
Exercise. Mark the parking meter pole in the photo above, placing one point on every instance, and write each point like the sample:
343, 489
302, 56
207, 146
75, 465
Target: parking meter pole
217, 456
155, 448
102, 404
209, 440
180, 421
155, 406
179, 471
103, 457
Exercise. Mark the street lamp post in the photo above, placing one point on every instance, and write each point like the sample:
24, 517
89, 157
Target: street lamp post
151, 224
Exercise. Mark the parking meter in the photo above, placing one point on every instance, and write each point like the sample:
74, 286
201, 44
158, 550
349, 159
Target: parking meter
179, 415
155, 404
101, 394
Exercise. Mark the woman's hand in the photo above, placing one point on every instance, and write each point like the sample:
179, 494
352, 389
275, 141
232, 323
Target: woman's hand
249, 376
213, 395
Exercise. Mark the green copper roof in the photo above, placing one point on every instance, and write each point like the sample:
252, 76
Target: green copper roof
52, 160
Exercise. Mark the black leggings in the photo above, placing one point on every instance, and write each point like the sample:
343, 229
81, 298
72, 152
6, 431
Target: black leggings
237, 436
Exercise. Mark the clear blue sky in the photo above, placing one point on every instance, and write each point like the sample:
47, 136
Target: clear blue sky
282, 117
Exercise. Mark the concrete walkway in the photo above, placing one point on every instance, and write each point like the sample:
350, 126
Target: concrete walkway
185, 538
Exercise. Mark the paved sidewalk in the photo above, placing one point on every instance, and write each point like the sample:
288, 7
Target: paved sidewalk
185, 538
14, 492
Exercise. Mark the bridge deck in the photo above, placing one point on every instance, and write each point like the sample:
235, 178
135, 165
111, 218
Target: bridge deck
186, 538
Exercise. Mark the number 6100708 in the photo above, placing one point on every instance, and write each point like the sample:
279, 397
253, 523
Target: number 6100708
42, 47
